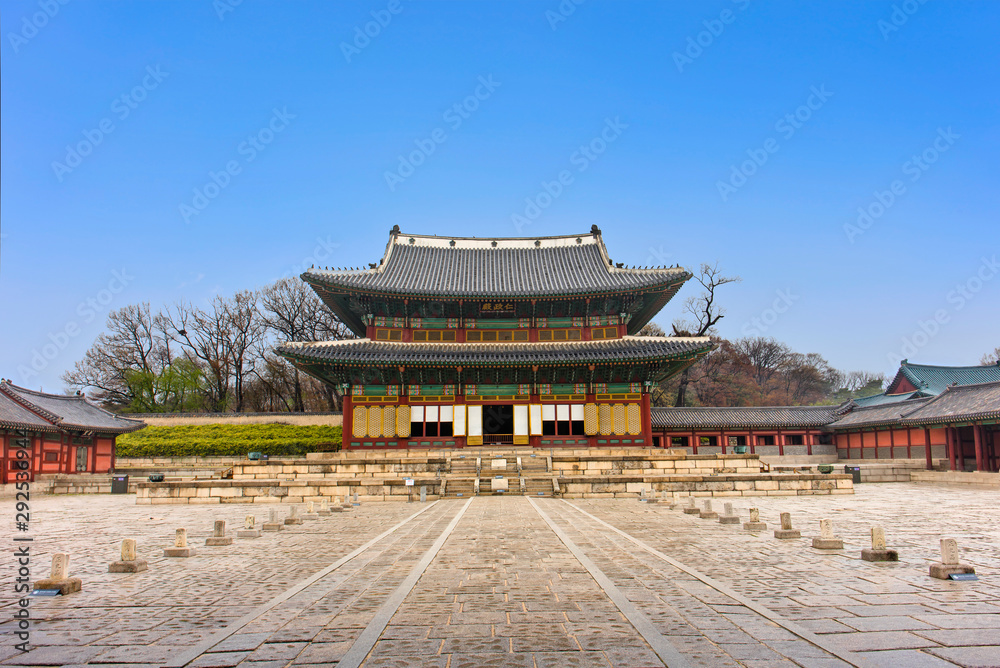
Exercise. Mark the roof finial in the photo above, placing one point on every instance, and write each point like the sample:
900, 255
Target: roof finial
394, 230
595, 230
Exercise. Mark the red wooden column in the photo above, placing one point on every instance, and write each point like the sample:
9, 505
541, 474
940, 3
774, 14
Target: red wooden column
978, 436
809, 441
781, 443
927, 449
723, 440
909, 443
647, 420
892, 443
752, 442
949, 433
959, 449
694, 442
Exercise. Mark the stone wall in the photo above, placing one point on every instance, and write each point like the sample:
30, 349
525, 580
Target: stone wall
175, 420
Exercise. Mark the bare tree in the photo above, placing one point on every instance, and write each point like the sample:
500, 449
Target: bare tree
204, 339
245, 330
989, 359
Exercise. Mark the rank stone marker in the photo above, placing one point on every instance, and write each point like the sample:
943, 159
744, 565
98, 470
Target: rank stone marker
323, 510
949, 564
786, 531
707, 513
878, 551
249, 529
357, 502
219, 536
293, 516
347, 502
826, 539
59, 577
755, 524
310, 513
180, 548
690, 508
728, 516
128, 563
272, 523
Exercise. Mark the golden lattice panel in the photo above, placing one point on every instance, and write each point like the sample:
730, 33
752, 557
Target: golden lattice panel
360, 426
620, 423
590, 423
634, 419
375, 421
403, 421
389, 422
605, 423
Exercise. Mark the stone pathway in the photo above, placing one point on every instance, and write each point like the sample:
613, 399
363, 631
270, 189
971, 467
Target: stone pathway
513, 581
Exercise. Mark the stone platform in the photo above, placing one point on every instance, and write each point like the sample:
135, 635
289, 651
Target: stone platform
595, 473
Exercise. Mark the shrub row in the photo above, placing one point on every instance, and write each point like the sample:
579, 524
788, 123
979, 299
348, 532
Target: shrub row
229, 440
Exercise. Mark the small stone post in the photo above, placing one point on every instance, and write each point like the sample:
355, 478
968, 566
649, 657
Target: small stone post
59, 577
728, 516
690, 508
707, 513
786, 531
423, 494
249, 529
347, 502
949, 564
272, 523
755, 524
128, 563
219, 536
878, 551
180, 548
642, 495
357, 501
293, 516
826, 540
324, 509
310, 513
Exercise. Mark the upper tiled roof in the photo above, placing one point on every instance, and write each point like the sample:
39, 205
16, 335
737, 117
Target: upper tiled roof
742, 417
68, 412
959, 403
882, 399
366, 351
518, 267
932, 380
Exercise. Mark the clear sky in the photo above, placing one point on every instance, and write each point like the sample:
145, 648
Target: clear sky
164, 151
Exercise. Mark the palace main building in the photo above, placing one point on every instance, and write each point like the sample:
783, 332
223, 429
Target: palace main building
524, 341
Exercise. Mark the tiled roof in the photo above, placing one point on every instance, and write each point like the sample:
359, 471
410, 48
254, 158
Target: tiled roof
959, 403
882, 399
742, 417
878, 414
366, 351
932, 380
69, 412
15, 416
520, 267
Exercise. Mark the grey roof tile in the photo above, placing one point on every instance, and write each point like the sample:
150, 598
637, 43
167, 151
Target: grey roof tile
69, 412
732, 417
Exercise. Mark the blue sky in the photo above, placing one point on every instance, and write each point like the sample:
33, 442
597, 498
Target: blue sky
744, 133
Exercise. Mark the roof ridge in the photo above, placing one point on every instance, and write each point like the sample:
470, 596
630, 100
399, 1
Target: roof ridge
13, 392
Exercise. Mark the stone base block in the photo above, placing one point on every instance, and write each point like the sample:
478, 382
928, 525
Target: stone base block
178, 552
338, 509
755, 526
310, 516
692, 511
219, 540
729, 519
272, 526
938, 570
785, 534
708, 516
67, 586
347, 506
289, 521
324, 513
828, 543
134, 566
869, 554
248, 533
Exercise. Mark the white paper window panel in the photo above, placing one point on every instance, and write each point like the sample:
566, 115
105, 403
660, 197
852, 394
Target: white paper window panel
576, 412
475, 421
458, 429
535, 413
520, 420
446, 413
562, 412
431, 414
416, 413
548, 412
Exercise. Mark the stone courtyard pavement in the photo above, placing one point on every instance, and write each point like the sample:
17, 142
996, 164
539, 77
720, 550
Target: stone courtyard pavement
515, 581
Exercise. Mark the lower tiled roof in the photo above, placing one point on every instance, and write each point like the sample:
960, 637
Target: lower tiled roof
62, 412
958, 404
742, 417
879, 414
15, 416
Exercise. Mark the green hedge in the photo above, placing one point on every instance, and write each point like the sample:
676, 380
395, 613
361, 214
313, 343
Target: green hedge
229, 440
